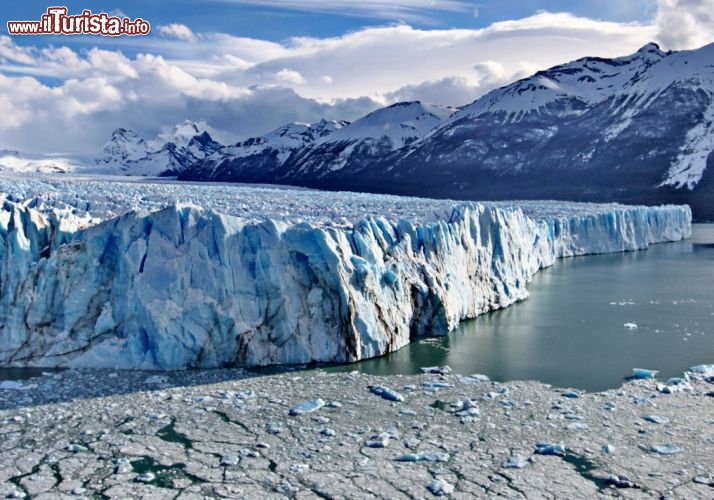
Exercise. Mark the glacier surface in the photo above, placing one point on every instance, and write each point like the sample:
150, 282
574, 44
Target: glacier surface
118, 274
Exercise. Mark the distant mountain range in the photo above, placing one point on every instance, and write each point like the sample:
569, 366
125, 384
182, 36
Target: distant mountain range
635, 129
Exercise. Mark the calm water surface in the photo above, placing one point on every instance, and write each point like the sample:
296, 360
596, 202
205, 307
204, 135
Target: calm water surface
571, 333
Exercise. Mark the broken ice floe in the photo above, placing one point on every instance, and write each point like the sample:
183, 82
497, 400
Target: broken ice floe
440, 370
516, 462
430, 456
621, 481
545, 448
666, 449
307, 407
386, 393
656, 419
440, 487
643, 374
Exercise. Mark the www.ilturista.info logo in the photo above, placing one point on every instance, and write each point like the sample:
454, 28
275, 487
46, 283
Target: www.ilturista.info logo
57, 22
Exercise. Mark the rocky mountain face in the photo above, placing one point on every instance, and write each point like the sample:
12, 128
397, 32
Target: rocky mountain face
635, 129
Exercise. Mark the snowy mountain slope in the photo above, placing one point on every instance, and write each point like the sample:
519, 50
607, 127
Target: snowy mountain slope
357, 146
16, 162
401, 123
168, 154
567, 89
257, 159
185, 286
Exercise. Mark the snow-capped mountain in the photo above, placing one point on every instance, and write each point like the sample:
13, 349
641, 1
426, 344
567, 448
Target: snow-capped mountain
257, 159
636, 129
357, 146
123, 147
564, 90
296, 152
182, 133
168, 154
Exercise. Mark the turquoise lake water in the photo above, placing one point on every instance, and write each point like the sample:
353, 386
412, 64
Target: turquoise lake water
571, 331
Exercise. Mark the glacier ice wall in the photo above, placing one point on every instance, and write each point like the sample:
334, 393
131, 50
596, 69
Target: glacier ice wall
190, 287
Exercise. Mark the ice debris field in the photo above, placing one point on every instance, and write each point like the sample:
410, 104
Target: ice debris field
159, 275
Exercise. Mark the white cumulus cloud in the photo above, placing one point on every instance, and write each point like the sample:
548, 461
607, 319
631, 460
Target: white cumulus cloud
685, 24
290, 76
178, 31
54, 98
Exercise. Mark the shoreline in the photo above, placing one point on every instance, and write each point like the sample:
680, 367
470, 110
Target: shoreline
452, 435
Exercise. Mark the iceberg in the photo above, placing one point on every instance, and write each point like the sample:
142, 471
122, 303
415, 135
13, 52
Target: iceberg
184, 286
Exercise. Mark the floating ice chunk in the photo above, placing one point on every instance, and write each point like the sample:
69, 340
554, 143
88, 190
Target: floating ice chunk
430, 456
708, 480
675, 384
123, 466
544, 448
75, 448
702, 371
439, 488
570, 394
379, 441
480, 377
441, 370
11, 385
435, 385
621, 481
230, 460
273, 429
147, 477
435, 456
608, 449
386, 393
630, 326
306, 407
656, 419
468, 412
578, 426
666, 449
409, 457
156, 380
643, 374
465, 408
516, 462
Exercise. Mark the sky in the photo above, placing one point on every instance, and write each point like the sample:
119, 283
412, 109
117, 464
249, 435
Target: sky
248, 66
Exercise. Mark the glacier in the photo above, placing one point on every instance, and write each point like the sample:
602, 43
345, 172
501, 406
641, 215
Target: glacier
133, 279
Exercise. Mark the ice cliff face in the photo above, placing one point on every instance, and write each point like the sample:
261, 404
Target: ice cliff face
190, 287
